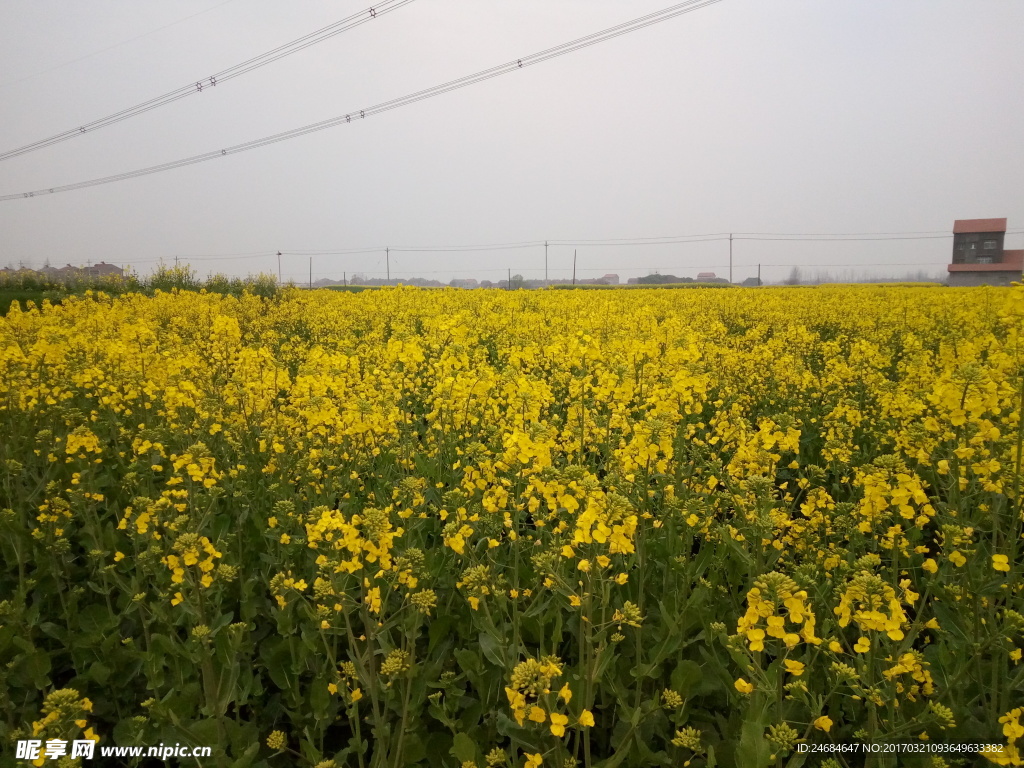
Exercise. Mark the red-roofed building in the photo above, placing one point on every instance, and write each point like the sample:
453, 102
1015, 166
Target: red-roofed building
978, 254
978, 226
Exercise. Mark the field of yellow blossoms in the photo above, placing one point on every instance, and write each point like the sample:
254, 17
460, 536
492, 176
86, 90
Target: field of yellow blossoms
554, 528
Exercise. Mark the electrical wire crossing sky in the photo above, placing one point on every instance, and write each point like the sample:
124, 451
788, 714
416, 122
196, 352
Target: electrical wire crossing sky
745, 118
218, 78
376, 109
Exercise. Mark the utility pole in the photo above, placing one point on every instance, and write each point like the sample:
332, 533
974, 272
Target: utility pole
730, 257
175, 262
387, 259
545, 263
344, 279
759, 275
510, 279
310, 271
574, 266
278, 267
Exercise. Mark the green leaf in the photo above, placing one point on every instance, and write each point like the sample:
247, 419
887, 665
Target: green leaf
95, 619
686, 677
413, 750
463, 748
753, 751
436, 748
37, 668
127, 732
206, 732
439, 632
99, 672
469, 662
492, 649
50, 629
320, 699
247, 757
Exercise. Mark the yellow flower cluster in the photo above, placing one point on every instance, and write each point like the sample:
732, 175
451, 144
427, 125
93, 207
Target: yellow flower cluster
777, 608
912, 663
190, 550
872, 605
65, 713
530, 687
611, 523
1013, 730
282, 584
362, 539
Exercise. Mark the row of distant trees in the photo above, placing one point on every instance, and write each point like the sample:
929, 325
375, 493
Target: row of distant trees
795, 277
820, 278
517, 282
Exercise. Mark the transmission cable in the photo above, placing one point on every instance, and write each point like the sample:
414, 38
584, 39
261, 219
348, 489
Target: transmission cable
451, 85
198, 86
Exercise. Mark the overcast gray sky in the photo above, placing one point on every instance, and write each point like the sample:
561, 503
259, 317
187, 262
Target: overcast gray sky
745, 116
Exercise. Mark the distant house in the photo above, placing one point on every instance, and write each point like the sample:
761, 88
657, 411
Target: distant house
703, 277
751, 282
67, 272
105, 270
464, 282
978, 254
610, 279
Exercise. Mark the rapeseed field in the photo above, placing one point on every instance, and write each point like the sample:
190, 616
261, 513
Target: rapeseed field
477, 528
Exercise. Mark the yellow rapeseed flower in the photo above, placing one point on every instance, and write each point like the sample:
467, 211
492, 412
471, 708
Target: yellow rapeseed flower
743, 686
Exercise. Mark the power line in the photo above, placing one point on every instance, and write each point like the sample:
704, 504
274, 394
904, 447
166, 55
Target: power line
420, 249
219, 255
456, 249
451, 85
768, 237
845, 234
336, 252
841, 239
218, 78
690, 267
640, 241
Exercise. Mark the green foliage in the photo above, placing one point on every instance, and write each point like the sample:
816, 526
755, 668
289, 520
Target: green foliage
25, 286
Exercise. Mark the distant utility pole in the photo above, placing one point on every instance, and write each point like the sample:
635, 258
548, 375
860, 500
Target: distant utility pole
509, 279
545, 263
175, 262
574, 266
387, 259
344, 278
730, 257
278, 267
759, 274
310, 271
